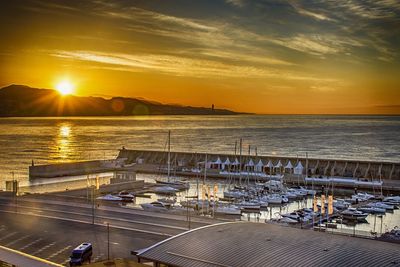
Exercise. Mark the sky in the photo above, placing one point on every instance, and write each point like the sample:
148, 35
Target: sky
266, 57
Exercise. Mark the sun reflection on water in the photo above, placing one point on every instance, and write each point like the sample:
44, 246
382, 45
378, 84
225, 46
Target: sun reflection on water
63, 142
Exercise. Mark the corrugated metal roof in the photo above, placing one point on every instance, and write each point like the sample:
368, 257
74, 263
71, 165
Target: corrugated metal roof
256, 244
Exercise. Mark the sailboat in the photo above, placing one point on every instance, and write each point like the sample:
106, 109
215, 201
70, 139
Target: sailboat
180, 185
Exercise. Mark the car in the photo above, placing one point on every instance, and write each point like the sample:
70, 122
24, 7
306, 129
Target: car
81, 254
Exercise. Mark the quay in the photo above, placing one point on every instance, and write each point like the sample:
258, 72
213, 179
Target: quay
340, 174
346, 174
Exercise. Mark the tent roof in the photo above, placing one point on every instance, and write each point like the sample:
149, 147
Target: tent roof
250, 163
289, 165
269, 164
227, 161
279, 164
236, 162
218, 161
299, 165
260, 163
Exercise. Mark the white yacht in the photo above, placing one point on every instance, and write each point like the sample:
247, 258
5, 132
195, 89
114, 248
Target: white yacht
109, 197
353, 214
156, 206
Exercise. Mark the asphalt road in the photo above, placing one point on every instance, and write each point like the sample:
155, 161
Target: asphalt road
50, 230
54, 239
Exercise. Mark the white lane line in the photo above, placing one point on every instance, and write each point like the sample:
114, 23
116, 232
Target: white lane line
98, 224
98, 257
30, 244
58, 252
17, 240
8, 235
43, 248
64, 262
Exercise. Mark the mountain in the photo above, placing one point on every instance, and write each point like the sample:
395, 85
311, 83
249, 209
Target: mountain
24, 101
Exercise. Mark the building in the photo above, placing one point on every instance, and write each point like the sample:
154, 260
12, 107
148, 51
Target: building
256, 244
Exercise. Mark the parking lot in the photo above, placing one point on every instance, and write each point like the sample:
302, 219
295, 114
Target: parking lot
54, 240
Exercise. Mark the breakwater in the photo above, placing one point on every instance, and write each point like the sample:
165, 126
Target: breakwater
273, 165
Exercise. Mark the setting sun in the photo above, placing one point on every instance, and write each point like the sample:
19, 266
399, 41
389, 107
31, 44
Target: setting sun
65, 88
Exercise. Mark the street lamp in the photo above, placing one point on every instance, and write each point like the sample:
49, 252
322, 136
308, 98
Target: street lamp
108, 240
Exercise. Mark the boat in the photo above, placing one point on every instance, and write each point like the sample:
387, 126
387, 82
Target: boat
235, 194
381, 205
179, 185
228, 210
283, 220
109, 197
392, 199
167, 190
392, 236
126, 196
361, 197
167, 200
341, 204
274, 199
249, 205
372, 210
353, 214
156, 206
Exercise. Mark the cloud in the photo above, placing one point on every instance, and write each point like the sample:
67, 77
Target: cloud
318, 44
308, 13
179, 66
237, 3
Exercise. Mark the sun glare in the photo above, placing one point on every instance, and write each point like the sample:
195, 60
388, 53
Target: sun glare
65, 88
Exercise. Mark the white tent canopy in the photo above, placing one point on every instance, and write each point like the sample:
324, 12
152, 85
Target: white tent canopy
279, 164
259, 166
218, 161
289, 165
299, 168
227, 162
269, 164
260, 163
250, 163
236, 162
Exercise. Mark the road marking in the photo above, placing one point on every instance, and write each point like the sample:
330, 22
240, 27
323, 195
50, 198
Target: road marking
86, 222
17, 240
98, 257
58, 252
30, 244
43, 261
8, 235
43, 248
114, 243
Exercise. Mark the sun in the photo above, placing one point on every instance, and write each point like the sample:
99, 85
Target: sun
65, 87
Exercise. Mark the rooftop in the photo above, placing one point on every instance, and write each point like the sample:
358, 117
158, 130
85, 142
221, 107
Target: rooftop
256, 244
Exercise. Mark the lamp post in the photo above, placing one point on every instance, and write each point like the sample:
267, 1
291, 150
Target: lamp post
93, 203
108, 241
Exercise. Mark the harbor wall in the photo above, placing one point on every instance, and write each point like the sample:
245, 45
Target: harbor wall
357, 169
72, 168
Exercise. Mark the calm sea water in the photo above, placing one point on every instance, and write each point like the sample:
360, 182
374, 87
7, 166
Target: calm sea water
51, 140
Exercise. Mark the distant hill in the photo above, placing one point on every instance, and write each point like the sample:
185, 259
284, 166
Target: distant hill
21, 101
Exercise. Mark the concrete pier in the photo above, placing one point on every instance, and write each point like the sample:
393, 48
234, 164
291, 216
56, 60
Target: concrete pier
318, 167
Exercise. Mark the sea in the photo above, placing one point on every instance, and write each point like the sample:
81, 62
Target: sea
27, 141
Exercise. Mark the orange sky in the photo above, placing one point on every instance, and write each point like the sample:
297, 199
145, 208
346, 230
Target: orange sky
294, 57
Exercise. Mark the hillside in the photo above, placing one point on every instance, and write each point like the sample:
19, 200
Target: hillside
21, 101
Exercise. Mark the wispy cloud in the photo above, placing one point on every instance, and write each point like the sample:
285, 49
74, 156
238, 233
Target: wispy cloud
180, 66
317, 44
308, 13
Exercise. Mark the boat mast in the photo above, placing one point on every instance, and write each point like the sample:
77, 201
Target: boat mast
240, 161
169, 154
